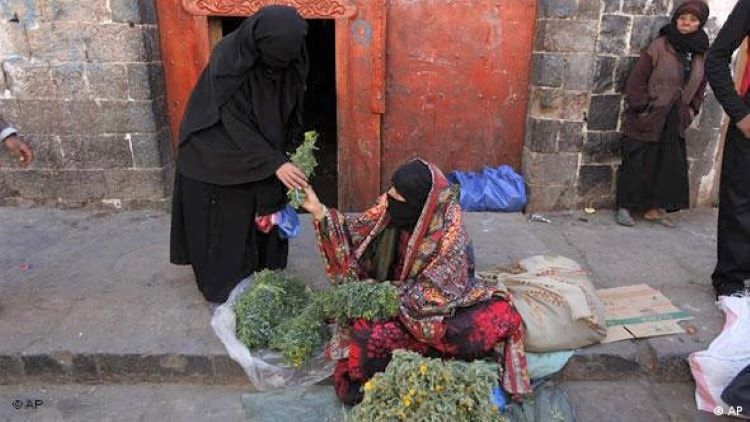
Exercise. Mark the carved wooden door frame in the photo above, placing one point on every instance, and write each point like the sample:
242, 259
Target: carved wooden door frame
360, 75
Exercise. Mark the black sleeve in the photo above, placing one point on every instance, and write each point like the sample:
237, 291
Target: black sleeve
720, 57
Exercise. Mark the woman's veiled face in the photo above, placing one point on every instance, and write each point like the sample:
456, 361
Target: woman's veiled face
687, 23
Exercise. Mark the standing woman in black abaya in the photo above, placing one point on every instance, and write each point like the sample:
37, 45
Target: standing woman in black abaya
243, 114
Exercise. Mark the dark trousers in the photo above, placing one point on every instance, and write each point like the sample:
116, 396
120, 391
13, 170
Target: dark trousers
213, 229
733, 243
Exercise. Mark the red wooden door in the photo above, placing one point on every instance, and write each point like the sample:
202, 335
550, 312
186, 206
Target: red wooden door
360, 75
458, 81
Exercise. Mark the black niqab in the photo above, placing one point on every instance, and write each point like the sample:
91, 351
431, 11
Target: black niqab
413, 181
247, 100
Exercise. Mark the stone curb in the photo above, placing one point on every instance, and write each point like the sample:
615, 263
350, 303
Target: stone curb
104, 368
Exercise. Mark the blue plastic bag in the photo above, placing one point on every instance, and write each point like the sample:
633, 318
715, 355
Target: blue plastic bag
495, 189
288, 223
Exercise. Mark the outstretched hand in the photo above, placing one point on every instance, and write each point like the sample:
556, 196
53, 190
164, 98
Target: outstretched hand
291, 176
19, 149
312, 204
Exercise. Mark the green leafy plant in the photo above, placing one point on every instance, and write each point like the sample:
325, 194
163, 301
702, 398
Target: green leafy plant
415, 388
272, 297
280, 313
304, 158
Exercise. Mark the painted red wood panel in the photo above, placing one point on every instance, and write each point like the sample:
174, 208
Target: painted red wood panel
457, 82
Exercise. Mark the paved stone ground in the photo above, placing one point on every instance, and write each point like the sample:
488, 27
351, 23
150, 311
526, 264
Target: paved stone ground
90, 297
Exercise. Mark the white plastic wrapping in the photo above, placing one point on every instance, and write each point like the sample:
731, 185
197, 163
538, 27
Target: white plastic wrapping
265, 368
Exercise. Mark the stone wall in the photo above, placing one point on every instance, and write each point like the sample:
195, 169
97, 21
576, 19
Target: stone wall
583, 52
83, 83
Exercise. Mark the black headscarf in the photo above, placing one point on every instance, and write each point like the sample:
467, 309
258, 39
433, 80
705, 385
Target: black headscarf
413, 181
246, 101
695, 42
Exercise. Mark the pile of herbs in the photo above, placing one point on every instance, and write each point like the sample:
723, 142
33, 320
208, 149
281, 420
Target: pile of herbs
280, 313
416, 388
304, 158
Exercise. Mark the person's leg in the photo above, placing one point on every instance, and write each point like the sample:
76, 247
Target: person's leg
733, 229
218, 230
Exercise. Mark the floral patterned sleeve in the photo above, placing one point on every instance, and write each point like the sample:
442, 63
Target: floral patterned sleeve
335, 246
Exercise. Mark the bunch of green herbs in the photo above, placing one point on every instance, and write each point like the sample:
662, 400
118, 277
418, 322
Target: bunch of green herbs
416, 388
273, 296
304, 158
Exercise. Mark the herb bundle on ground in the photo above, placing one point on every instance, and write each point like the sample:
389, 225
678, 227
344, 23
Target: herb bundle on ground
273, 296
416, 388
280, 313
304, 159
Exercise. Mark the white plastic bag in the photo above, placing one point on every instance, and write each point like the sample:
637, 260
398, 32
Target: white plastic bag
265, 368
727, 355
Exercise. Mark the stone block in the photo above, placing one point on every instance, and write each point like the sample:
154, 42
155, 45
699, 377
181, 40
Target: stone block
11, 368
40, 116
701, 143
38, 79
45, 149
547, 69
9, 107
48, 366
151, 43
569, 36
541, 134
109, 116
613, 34
136, 11
604, 74
97, 152
115, 43
558, 8
13, 40
589, 9
578, 71
612, 6
570, 137
225, 368
550, 169
602, 147
634, 7
135, 183
182, 366
129, 367
711, 114
546, 102
595, 181
72, 185
23, 12
622, 71
146, 150
76, 10
107, 80
84, 369
574, 105
62, 41
547, 198
145, 81
604, 112
645, 30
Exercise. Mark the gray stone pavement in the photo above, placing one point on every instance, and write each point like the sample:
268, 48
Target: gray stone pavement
89, 297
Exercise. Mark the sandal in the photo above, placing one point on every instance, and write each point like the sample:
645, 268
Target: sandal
623, 218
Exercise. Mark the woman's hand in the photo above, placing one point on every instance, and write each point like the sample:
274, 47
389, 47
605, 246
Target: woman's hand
19, 149
291, 176
744, 126
312, 204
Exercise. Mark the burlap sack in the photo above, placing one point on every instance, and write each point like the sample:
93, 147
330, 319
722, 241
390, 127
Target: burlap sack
556, 300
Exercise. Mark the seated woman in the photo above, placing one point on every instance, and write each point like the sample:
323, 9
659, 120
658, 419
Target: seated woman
414, 238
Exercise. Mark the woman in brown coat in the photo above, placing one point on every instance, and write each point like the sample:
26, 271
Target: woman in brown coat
664, 92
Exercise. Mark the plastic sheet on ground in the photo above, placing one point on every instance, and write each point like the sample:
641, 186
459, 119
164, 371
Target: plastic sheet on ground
264, 368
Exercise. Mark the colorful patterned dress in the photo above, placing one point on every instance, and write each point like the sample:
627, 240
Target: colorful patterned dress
445, 310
